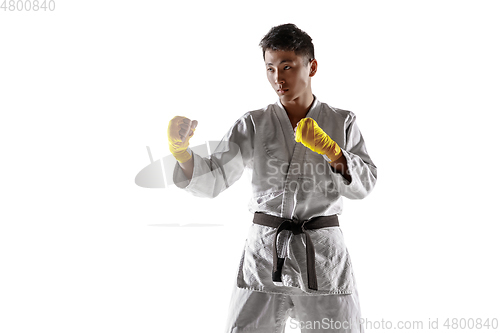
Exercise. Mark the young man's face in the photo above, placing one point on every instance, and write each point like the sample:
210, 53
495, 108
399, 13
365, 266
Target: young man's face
289, 74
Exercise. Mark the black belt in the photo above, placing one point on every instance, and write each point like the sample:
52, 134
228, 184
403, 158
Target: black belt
297, 227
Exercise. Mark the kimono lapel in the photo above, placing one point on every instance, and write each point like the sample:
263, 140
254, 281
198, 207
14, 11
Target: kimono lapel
297, 151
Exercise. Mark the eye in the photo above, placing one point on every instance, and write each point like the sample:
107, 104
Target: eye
287, 67
269, 69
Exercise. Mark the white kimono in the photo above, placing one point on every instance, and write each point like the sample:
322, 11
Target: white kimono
291, 181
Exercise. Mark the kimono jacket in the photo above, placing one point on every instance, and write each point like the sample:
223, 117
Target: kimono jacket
291, 181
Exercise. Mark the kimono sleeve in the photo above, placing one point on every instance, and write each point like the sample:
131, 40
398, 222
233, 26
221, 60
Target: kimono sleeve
361, 167
215, 173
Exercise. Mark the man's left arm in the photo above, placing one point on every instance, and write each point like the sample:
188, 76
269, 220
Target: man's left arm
340, 166
352, 169
354, 172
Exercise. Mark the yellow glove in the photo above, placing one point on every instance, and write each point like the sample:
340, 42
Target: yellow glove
313, 137
180, 130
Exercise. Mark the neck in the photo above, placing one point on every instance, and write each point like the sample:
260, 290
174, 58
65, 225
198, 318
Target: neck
297, 108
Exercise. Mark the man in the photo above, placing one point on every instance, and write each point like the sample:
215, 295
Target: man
304, 155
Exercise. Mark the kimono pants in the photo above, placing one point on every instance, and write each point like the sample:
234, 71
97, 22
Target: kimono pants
259, 312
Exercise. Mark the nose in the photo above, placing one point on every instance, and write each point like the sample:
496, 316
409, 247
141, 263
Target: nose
278, 78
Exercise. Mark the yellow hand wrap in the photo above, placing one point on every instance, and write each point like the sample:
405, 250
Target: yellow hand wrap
175, 144
313, 137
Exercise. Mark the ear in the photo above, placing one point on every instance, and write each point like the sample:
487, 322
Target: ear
314, 67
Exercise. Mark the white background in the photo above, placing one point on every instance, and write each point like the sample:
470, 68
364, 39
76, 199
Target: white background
85, 88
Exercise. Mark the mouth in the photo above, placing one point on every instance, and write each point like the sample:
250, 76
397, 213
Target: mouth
282, 91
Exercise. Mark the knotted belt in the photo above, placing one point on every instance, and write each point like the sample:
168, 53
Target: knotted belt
297, 227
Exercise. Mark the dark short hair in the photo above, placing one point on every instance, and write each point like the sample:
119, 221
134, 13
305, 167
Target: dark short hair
287, 37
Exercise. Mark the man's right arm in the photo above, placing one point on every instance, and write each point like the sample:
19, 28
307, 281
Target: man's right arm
209, 176
187, 167
180, 130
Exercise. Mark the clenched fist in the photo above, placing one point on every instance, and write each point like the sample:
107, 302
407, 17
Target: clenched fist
313, 137
180, 130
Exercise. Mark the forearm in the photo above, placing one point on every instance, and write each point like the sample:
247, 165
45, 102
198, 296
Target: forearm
340, 166
187, 168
